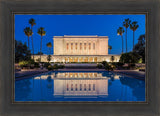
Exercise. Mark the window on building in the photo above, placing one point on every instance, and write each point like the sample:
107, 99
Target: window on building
67, 46
80, 46
94, 87
89, 87
89, 46
67, 87
71, 87
85, 88
85, 46
76, 46
80, 87
94, 46
76, 88
71, 46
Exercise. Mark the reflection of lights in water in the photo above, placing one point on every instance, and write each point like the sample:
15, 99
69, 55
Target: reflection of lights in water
97, 85
116, 77
79, 75
36, 77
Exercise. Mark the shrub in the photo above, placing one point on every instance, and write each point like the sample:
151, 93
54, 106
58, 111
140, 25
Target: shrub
99, 66
36, 65
132, 66
109, 67
61, 66
117, 64
130, 57
46, 65
31, 61
50, 67
104, 63
23, 64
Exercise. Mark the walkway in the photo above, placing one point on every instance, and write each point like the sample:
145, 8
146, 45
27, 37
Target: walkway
65, 69
132, 73
29, 72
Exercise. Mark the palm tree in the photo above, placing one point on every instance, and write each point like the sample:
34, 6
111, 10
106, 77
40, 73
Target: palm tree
110, 47
32, 23
49, 45
28, 32
134, 27
42, 33
126, 24
120, 32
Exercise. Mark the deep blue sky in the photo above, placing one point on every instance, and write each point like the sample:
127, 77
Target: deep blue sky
59, 25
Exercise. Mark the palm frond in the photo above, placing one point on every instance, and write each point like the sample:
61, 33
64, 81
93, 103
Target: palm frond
32, 22
28, 32
41, 31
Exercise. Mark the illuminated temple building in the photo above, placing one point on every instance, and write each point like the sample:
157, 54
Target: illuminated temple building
80, 49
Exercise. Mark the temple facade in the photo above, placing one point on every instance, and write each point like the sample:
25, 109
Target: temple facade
80, 49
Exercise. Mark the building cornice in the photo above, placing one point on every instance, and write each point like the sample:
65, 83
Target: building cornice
80, 36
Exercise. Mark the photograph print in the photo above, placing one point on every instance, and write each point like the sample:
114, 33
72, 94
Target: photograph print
79, 58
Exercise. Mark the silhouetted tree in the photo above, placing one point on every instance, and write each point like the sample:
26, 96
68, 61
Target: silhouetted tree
28, 32
133, 27
32, 23
42, 33
21, 52
120, 32
139, 48
49, 45
126, 24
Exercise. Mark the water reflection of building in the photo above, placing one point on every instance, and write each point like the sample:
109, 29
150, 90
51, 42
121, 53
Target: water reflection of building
80, 84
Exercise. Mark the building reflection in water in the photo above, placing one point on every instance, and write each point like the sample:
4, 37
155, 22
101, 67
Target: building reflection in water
80, 84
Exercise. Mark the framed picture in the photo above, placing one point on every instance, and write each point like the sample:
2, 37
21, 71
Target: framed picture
76, 65
72, 57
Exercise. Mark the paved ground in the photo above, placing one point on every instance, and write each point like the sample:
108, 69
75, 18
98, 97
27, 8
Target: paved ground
29, 72
132, 73
86, 64
94, 69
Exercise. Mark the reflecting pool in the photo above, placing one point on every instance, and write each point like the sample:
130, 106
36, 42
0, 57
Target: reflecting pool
79, 86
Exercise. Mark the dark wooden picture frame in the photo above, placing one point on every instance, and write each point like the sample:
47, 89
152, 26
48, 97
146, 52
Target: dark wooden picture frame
8, 8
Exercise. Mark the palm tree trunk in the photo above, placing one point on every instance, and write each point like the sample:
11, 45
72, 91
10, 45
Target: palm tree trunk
32, 45
133, 40
41, 49
126, 39
28, 41
122, 43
